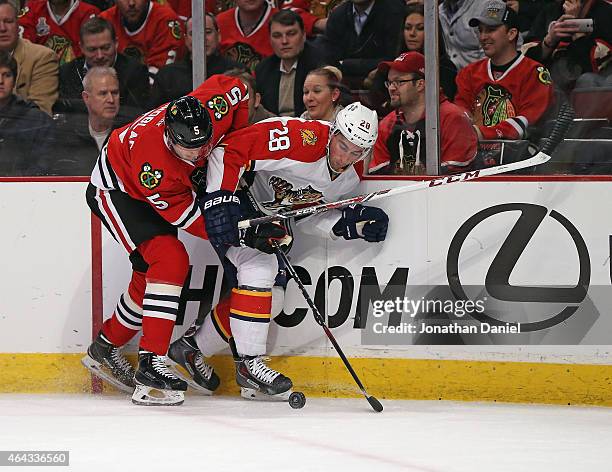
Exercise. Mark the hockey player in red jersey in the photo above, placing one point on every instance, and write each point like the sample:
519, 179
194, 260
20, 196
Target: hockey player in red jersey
148, 31
56, 24
505, 92
296, 163
141, 189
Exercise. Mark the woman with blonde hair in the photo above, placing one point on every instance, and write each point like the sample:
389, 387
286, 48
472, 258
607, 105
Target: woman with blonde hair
322, 94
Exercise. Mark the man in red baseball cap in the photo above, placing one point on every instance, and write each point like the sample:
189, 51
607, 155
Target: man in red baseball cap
400, 147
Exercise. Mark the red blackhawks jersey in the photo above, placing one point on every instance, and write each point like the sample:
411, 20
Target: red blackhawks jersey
400, 147
247, 50
159, 41
137, 161
289, 158
505, 106
41, 26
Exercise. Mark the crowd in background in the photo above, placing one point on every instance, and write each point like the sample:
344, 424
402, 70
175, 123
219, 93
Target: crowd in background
71, 71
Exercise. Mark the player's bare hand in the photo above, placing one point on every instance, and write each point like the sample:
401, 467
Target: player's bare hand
572, 7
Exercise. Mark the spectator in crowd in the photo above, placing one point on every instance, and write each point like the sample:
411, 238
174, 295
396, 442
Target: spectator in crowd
176, 80
556, 41
280, 77
400, 148
56, 24
99, 45
322, 93
79, 141
256, 110
362, 33
245, 32
412, 38
147, 31
312, 24
506, 92
461, 39
24, 128
37, 66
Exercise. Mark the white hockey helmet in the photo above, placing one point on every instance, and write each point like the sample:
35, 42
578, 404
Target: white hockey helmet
358, 124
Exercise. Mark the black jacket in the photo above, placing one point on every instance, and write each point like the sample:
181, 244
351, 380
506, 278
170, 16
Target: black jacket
133, 86
377, 42
74, 151
24, 139
176, 80
268, 75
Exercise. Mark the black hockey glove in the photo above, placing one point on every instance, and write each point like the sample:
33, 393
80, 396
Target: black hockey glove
221, 210
374, 229
260, 237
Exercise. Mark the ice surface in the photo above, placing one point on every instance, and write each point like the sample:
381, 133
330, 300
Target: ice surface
108, 433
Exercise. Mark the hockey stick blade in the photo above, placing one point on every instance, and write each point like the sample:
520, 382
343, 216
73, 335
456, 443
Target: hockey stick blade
539, 158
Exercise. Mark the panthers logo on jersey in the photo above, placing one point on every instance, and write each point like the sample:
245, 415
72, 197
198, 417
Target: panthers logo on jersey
309, 138
286, 197
150, 178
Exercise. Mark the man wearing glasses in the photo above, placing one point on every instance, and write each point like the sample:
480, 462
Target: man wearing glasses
400, 147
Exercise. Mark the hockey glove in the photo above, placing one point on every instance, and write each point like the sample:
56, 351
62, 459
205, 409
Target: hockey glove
221, 210
260, 237
374, 221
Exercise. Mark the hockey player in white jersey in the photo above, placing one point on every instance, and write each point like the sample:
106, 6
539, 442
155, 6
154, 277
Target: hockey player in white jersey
296, 163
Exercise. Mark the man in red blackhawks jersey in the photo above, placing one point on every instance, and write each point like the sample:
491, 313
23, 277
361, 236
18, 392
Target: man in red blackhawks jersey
141, 189
56, 24
296, 163
506, 92
245, 33
147, 31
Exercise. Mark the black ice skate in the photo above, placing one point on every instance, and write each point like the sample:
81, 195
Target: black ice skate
156, 384
184, 352
106, 361
260, 382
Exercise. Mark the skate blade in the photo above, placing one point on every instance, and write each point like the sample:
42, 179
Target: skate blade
150, 396
253, 394
184, 375
98, 370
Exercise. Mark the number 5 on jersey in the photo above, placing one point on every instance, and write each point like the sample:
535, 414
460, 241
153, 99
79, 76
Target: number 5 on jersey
156, 202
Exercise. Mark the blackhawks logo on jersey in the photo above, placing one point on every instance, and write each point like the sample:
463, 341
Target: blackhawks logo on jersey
62, 47
219, 106
493, 105
286, 197
309, 138
175, 29
150, 178
544, 75
244, 54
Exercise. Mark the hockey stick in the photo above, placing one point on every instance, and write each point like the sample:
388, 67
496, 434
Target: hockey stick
374, 403
562, 123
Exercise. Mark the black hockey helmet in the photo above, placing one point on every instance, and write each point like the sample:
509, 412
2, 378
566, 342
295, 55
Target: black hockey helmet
188, 123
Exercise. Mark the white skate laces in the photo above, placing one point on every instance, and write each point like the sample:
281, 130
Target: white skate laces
121, 361
260, 370
160, 366
204, 369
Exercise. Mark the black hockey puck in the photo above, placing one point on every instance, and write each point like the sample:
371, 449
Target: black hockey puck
297, 400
